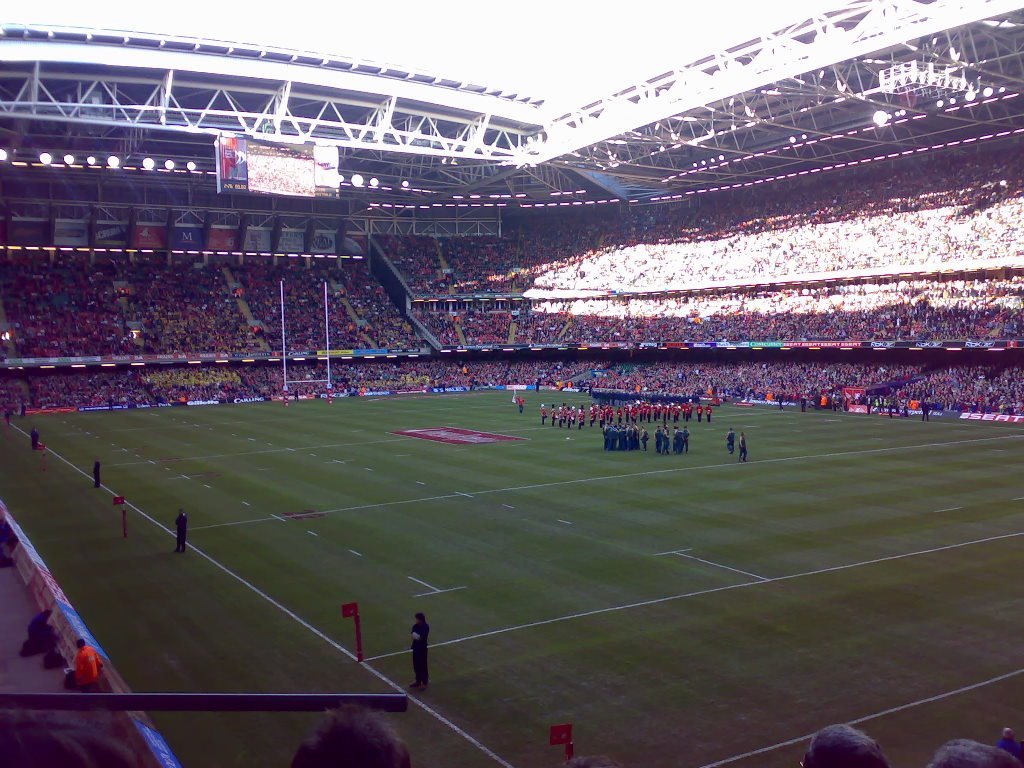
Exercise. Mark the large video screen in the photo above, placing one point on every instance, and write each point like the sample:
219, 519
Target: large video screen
265, 168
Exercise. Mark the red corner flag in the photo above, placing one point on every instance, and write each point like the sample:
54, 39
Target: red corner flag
562, 734
118, 500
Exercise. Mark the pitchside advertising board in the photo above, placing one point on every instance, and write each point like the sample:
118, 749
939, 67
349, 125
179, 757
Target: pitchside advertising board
267, 168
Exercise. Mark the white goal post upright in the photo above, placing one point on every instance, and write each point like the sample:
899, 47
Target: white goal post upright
327, 343
284, 348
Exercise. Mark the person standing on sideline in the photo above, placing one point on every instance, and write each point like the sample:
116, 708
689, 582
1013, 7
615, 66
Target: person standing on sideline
87, 668
35, 439
743, 447
420, 633
730, 441
96, 473
181, 524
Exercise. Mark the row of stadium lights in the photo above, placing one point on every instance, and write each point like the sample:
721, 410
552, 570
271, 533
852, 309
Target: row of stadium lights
851, 163
879, 119
114, 162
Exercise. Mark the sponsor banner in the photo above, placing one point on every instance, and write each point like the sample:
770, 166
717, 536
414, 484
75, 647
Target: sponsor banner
441, 390
70, 232
522, 387
324, 241
857, 408
335, 352
202, 402
754, 401
111, 234
149, 237
291, 241
1002, 417
222, 239
157, 746
823, 344
187, 238
257, 239
28, 232
376, 393
372, 351
238, 400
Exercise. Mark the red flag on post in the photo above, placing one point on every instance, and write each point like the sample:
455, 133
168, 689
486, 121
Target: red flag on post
562, 735
351, 611
118, 500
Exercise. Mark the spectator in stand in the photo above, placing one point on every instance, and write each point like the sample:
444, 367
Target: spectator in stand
840, 746
350, 737
1009, 743
63, 740
88, 666
964, 753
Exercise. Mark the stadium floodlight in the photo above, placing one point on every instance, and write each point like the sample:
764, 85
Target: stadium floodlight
114, 161
45, 158
970, 95
987, 91
880, 118
190, 165
357, 180
792, 139
91, 160
169, 165
3, 155
148, 163
374, 182
405, 185
69, 159
940, 103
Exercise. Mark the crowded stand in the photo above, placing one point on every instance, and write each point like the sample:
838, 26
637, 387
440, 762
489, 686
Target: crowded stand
479, 327
62, 306
952, 209
384, 325
978, 389
186, 307
907, 309
416, 259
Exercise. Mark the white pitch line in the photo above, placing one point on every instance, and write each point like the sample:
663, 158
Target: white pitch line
236, 522
312, 533
306, 625
508, 506
423, 583
719, 565
872, 716
460, 493
368, 469
438, 592
566, 522
701, 592
947, 509
251, 439
1019, 498
420, 482
205, 485
247, 503
355, 553
277, 517
672, 552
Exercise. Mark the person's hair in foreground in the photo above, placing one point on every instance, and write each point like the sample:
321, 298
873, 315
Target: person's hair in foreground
964, 753
351, 737
840, 746
62, 740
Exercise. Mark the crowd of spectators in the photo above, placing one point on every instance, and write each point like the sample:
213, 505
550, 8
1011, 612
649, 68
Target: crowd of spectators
416, 258
906, 309
62, 307
478, 326
983, 389
378, 323
186, 307
946, 209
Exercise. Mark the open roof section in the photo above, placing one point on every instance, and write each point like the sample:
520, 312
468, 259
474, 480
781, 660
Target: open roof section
454, 137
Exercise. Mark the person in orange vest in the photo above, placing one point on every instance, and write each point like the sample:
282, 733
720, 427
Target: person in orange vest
87, 668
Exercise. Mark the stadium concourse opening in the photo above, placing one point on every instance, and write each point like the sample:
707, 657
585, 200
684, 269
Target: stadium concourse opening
681, 427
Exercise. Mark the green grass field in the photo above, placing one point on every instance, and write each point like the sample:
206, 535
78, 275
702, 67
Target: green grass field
856, 565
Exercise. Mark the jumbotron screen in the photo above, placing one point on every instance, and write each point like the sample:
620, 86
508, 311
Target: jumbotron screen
265, 168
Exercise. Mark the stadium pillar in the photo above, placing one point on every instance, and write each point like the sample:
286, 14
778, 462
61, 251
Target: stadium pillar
275, 237
339, 237
243, 230
207, 226
133, 217
307, 238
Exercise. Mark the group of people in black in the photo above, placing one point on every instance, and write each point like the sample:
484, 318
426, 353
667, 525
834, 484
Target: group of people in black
634, 437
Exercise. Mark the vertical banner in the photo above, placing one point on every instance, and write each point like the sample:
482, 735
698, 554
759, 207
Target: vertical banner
257, 240
71, 232
222, 239
232, 164
187, 238
149, 236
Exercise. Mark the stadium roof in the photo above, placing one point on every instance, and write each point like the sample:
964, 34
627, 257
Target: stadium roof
652, 103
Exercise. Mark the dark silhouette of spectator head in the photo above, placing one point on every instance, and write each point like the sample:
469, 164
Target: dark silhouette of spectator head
964, 753
79, 643
62, 740
840, 746
350, 737
593, 761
